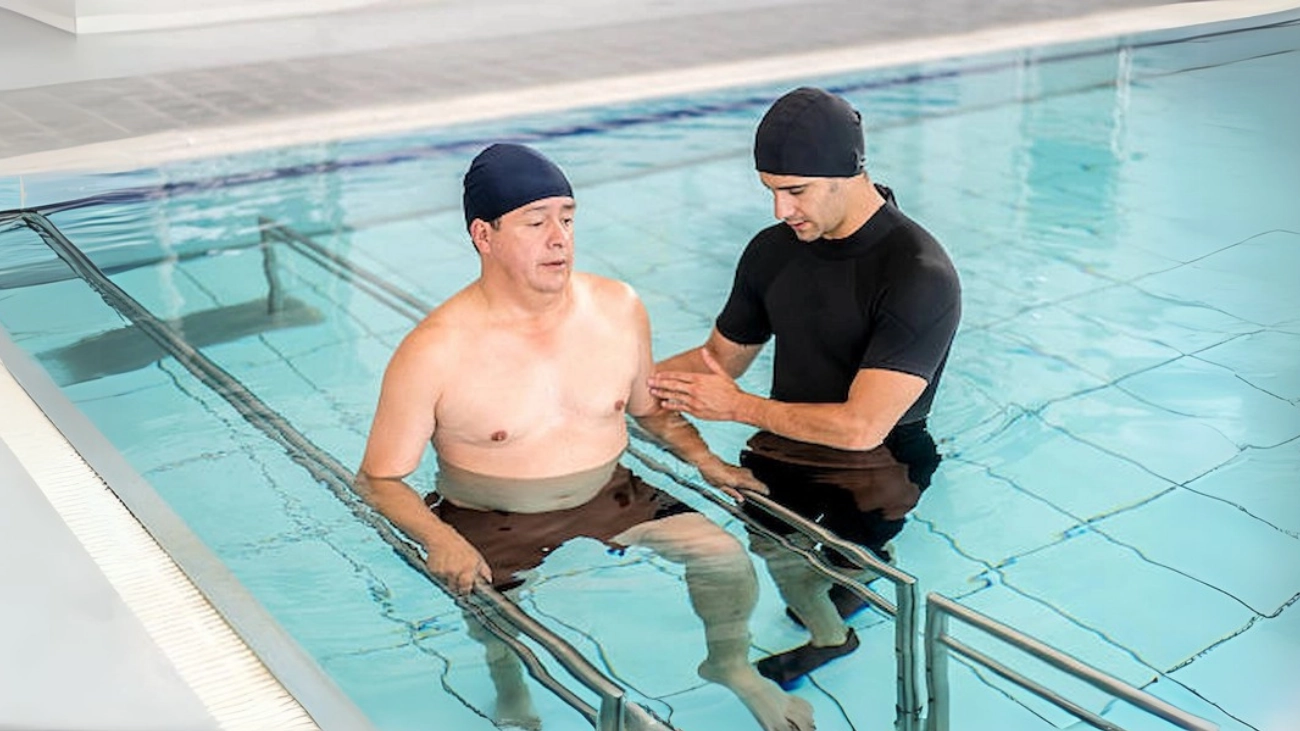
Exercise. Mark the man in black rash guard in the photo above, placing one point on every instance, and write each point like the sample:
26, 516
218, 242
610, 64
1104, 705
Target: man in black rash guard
863, 304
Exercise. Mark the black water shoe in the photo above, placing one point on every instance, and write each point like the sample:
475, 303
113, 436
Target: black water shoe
786, 667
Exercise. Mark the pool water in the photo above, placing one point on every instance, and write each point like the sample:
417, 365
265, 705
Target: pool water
1120, 417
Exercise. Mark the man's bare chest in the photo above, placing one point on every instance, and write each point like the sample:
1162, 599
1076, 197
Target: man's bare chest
509, 389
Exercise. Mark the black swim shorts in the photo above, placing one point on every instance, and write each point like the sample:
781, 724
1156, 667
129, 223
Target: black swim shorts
862, 497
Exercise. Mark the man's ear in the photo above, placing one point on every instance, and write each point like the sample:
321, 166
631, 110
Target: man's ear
480, 235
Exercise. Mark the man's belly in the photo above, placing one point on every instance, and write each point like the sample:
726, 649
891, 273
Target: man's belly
521, 494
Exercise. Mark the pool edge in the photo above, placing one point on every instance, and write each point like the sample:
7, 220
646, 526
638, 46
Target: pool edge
283, 658
1172, 21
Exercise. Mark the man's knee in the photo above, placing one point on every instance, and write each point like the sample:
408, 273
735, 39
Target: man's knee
710, 543
776, 547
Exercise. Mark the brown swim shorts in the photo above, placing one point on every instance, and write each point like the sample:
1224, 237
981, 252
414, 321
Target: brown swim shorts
512, 543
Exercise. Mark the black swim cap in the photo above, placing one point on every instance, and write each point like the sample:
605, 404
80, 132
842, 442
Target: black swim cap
506, 176
811, 133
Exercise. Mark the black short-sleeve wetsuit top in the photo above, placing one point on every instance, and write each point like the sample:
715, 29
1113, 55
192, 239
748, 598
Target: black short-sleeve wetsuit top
885, 297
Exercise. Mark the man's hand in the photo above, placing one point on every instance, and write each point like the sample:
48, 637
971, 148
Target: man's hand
730, 479
712, 396
456, 563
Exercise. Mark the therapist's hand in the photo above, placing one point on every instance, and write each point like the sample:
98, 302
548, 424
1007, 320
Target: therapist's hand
712, 396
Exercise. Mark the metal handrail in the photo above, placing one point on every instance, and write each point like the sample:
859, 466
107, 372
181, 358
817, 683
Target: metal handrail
324, 468
938, 643
908, 708
396, 298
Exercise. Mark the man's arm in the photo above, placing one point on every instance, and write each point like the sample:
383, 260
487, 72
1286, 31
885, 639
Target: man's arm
404, 423
734, 358
877, 399
673, 431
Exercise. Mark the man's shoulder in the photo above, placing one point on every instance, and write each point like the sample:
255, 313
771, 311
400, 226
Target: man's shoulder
442, 325
915, 261
775, 242
606, 291
910, 236
778, 234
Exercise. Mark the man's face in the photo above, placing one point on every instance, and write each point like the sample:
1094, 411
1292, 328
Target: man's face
813, 207
534, 243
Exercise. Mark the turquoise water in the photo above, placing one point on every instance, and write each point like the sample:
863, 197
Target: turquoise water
1120, 417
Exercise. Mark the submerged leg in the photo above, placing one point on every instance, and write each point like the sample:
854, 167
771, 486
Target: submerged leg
804, 590
723, 590
514, 706
808, 595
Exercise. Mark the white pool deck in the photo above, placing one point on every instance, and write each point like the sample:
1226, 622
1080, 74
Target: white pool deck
90, 607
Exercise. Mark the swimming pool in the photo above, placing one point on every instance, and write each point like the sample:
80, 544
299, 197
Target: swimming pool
1124, 383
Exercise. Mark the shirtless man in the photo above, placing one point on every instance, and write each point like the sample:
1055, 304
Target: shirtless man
522, 381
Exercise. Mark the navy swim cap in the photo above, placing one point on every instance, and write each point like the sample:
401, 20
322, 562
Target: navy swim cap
811, 133
506, 176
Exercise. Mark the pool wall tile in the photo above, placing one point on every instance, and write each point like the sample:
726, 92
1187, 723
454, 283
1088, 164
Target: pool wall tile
1217, 397
1087, 345
1252, 280
1266, 360
414, 691
1046, 625
977, 705
1022, 375
1262, 482
1255, 674
1170, 445
1170, 691
1184, 326
972, 508
44, 189
1168, 618
1214, 542
1078, 478
11, 193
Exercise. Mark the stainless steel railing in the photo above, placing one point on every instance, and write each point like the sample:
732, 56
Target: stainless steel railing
938, 644
905, 613
485, 604
503, 618
908, 708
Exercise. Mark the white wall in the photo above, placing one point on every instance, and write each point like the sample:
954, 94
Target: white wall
107, 16
61, 14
